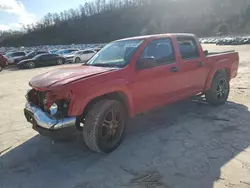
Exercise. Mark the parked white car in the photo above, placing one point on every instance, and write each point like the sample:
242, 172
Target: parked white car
83, 55
13, 56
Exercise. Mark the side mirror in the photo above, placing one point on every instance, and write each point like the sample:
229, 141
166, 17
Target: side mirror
146, 63
206, 53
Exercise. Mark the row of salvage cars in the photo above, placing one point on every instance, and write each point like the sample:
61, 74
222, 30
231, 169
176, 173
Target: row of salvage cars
42, 58
243, 40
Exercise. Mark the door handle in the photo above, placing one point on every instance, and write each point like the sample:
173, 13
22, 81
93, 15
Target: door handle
200, 64
174, 69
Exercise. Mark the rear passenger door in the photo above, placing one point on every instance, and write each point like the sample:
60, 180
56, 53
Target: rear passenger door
84, 55
193, 69
91, 53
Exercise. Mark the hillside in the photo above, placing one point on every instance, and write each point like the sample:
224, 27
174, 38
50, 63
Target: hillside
102, 21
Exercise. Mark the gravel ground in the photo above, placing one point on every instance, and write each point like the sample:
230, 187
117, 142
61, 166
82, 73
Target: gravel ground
186, 145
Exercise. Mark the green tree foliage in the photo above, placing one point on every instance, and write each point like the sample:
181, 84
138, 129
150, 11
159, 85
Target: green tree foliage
105, 20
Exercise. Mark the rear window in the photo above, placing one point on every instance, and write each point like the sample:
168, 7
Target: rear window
188, 47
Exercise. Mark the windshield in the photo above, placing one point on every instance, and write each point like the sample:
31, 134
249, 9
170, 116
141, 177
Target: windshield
64, 52
72, 53
31, 54
115, 54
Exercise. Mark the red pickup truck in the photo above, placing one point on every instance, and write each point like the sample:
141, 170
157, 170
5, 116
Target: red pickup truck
127, 77
3, 62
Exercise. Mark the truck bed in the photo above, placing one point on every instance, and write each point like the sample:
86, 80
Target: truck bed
226, 59
219, 53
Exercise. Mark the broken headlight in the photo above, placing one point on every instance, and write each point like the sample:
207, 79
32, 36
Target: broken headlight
53, 109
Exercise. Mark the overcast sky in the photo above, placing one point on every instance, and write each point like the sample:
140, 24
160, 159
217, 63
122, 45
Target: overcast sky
14, 13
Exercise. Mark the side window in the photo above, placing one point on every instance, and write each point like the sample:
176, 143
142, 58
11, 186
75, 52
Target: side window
42, 57
20, 54
188, 47
45, 57
85, 52
161, 50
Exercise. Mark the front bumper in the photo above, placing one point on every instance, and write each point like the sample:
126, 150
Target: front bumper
69, 60
46, 124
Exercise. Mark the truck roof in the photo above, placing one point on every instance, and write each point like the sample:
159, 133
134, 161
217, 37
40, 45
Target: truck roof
157, 36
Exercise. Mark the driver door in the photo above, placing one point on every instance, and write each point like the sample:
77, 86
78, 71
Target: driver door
157, 85
45, 60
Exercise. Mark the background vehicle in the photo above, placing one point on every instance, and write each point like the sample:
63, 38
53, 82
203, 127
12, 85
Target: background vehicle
65, 52
83, 55
42, 60
29, 56
69, 57
127, 77
97, 49
12, 56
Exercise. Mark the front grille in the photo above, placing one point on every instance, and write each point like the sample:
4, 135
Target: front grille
36, 97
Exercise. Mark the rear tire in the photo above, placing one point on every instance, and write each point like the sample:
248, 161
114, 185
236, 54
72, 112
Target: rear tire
219, 91
77, 60
104, 126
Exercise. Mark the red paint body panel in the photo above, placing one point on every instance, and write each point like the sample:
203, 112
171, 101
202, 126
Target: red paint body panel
3, 61
65, 75
144, 89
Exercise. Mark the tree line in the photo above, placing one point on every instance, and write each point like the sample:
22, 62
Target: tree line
101, 21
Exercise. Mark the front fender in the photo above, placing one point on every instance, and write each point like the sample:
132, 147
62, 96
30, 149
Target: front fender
82, 98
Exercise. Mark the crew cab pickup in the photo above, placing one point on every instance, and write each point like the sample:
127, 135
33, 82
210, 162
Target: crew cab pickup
127, 77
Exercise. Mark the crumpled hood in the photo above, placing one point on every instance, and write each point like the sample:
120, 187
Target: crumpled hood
63, 76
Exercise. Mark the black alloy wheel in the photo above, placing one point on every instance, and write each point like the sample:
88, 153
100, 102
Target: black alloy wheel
104, 126
219, 91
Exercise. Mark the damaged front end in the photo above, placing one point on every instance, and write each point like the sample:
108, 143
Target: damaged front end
48, 114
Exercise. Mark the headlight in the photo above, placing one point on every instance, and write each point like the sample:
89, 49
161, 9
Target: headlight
53, 109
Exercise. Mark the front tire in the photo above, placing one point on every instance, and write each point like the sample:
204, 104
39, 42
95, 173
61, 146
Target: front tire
59, 61
219, 91
104, 126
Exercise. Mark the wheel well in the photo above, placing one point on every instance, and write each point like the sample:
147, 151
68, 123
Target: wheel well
118, 96
224, 71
